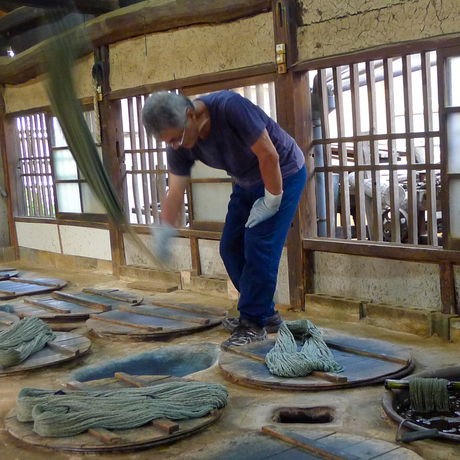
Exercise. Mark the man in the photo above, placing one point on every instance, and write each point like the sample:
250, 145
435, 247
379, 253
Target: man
226, 131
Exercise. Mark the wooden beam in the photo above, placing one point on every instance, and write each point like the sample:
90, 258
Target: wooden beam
389, 251
9, 170
20, 18
447, 287
83, 6
292, 96
132, 21
112, 145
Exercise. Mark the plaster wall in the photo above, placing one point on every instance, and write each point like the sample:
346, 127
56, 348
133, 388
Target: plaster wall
44, 237
378, 280
191, 51
210, 201
330, 28
85, 242
32, 94
181, 257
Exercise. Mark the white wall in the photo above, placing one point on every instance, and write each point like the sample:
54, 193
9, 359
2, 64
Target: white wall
379, 280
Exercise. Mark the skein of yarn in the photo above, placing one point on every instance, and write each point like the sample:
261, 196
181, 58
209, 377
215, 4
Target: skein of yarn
22, 339
68, 413
285, 360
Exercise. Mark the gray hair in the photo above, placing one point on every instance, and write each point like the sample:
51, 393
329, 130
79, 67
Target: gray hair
163, 110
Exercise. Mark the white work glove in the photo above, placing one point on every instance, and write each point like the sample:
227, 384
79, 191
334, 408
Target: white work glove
264, 208
162, 241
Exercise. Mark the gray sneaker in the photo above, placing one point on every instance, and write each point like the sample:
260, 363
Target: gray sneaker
243, 334
272, 325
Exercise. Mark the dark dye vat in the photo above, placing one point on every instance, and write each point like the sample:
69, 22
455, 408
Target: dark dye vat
176, 360
446, 422
320, 414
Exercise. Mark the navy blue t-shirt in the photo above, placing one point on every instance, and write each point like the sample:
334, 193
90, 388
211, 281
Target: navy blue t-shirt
236, 124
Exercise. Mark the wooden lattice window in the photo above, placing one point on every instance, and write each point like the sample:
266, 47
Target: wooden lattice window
377, 150
35, 166
145, 169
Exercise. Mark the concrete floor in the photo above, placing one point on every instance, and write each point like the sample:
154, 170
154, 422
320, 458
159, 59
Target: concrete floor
358, 411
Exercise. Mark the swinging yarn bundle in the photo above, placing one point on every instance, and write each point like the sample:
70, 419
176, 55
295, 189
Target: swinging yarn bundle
428, 395
22, 339
285, 361
68, 413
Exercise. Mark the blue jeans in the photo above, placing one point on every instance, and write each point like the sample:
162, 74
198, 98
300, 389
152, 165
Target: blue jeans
252, 255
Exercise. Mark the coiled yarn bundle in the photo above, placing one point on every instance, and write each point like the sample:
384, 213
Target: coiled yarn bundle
285, 361
22, 339
68, 413
428, 395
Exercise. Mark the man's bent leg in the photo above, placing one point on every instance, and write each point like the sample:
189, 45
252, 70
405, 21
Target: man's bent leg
263, 246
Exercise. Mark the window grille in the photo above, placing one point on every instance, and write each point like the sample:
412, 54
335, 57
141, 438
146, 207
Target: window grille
376, 144
35, 166
145, 163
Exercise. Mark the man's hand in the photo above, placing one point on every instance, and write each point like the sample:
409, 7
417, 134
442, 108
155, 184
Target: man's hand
162, 241
264, 208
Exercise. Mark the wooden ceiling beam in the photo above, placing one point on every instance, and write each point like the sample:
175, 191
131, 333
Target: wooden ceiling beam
83, 6
20, 17
132, 21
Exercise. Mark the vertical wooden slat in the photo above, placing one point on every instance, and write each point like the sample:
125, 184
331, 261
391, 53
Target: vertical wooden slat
327, 153
410, 151
161, 175
153, 181
145, 184
432, 225
260, 100
272, 99
343, 160
134, 178
358, 154
36, 166
392, 153
31, 161
42, 162
375, 159
49, 129
441, 70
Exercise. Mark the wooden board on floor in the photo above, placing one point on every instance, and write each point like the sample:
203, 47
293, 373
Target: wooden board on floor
7, 273
154, 286
7, 320
17, 286
145, 322
62, 307
277, 443
146, 436
65, 347
365, 361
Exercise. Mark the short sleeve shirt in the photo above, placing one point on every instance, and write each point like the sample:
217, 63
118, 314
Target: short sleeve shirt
236, 124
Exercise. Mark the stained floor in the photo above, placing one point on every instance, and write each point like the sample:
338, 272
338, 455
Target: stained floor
357, 411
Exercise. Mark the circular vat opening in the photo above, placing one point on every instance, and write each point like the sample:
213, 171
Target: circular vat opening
176, 360
320, 414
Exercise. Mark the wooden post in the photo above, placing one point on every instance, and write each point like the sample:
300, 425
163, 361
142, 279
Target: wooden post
292, 104
112, 146
9, 172
447, 286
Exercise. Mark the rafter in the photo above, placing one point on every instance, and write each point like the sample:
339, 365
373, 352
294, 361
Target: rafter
83, 6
